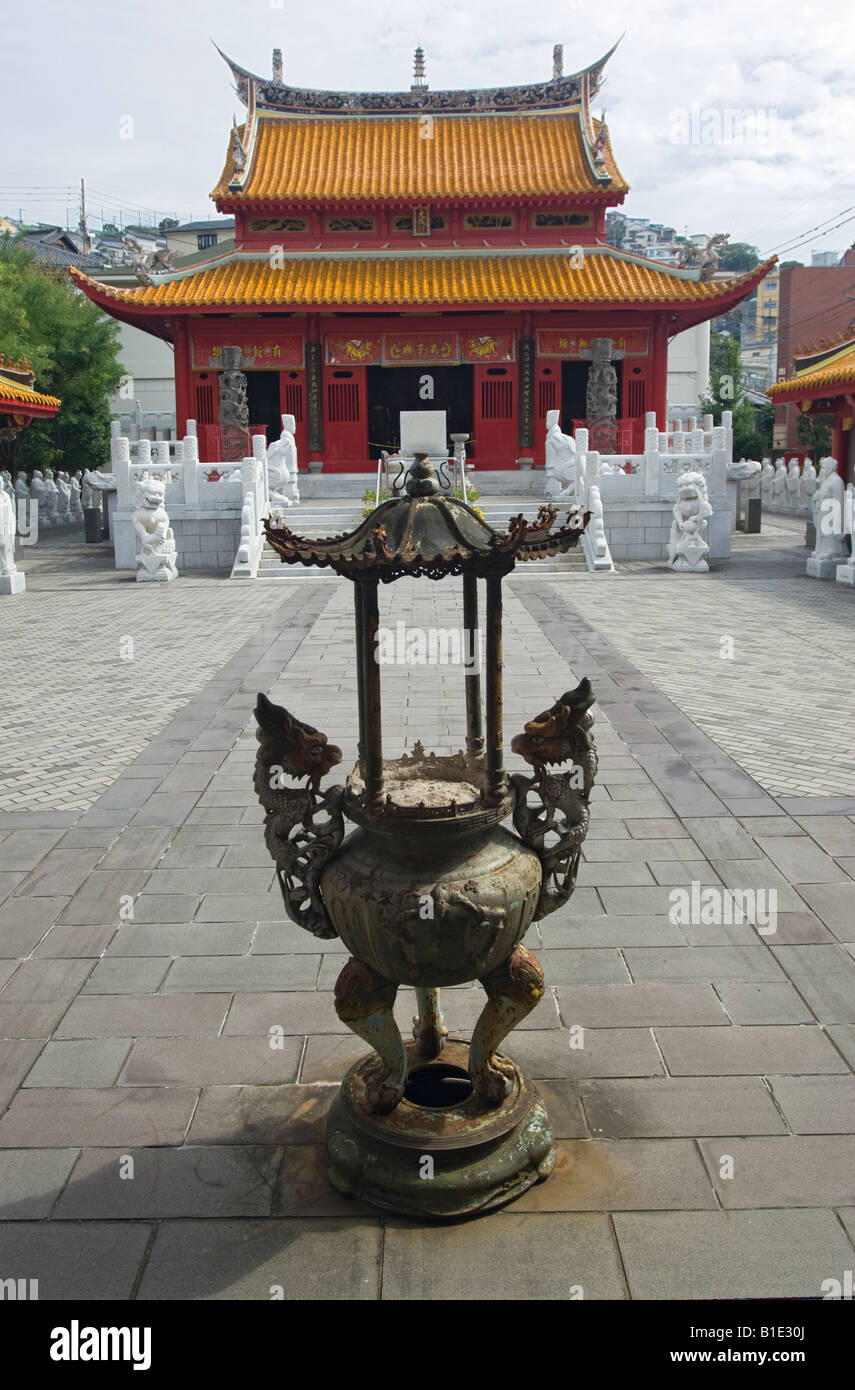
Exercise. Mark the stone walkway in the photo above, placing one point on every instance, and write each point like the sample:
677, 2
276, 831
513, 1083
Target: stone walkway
154, 1144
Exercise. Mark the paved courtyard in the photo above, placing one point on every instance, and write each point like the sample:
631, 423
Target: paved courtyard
153, 1144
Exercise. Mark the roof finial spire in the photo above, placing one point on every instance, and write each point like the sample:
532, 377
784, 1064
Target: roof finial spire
557, 62
419, 78
277, 66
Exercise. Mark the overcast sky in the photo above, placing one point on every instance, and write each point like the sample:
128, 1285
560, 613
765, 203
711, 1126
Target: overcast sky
677, 93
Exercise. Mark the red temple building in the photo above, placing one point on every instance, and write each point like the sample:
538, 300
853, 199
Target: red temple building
420, 249
823, 383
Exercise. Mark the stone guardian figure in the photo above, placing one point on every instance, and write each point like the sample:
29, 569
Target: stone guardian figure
687, 545
11, 580
155, 541
562, 461
831, 549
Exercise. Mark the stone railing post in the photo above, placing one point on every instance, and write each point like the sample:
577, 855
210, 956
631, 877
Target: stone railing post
653, 447
190, 466
120, 463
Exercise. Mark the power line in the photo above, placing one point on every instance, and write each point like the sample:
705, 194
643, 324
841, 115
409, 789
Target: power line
799, 236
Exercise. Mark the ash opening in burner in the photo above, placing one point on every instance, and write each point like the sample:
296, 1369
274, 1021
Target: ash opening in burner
438, 1086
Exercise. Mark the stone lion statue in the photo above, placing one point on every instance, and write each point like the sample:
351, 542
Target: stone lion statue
155, 541
687, 545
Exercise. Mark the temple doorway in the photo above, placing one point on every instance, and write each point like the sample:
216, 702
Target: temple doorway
393, 389
262, 398
574, 385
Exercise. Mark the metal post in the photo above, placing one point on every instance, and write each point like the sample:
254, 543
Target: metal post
495, 759
360, 673
373, 738
472, 678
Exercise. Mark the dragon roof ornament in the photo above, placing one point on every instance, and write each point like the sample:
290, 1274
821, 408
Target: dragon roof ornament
557, 94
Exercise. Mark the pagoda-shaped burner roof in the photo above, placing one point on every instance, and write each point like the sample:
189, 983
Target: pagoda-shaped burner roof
426, 534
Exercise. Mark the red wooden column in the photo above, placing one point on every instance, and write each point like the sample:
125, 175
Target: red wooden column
840, 440
184, 403
659, 372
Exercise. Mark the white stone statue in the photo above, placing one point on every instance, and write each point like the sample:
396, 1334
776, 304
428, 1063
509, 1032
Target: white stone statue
562, 461
687, 546
155, 541
39, 494
63, 509
282, 465
829, 519
22, 498
779, 486
794, 482
767, 478
95, 483
6, 483
51, 498
11, 580
808, 487
752, 484
76, 505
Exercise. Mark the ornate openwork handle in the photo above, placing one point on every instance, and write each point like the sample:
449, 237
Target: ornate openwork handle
303, 826
551, 814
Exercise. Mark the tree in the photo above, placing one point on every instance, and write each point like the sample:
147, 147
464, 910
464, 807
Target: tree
73, 348
167, 223
110, 229
752, 426
814, 432
738, 256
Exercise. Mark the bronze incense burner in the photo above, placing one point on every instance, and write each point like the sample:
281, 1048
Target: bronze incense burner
430, 889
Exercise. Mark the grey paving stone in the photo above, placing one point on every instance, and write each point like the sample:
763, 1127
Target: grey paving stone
213, 1181
309, 1260
824, 976
100, 899
605, 1052
720, 837
186, 939
800, 859
601, 875
673, 873
229, 907
563, 1106
632, 1175
138, 848
600, 931
761, 876
128, 975
844, 1039
762, 1003
144, 1016
666, 827
747, 1050
847, 1218
31, 1180
816, 1104
230, 973
670, 1107
834, 904
835, 834
795, 1171
703, 963
46, 1117
504, 1256
86, 1260
30, 1020
639, 1005
265, 1115
84, 1063
800, 929
45, 981
603, 965
211, 1061
770, 825
164, 808
74, 943
193, 856
22, 849
215, 881
720, 1255
162, 907
626, 851
16, 1058
60, 871
283, 938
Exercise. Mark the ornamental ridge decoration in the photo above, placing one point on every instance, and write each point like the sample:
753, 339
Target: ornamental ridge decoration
554, 95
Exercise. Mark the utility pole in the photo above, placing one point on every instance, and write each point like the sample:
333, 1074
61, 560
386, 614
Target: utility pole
84, 230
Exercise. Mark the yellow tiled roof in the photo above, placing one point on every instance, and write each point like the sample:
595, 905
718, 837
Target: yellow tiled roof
515, 278
19, 394
838, 366
466, 157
